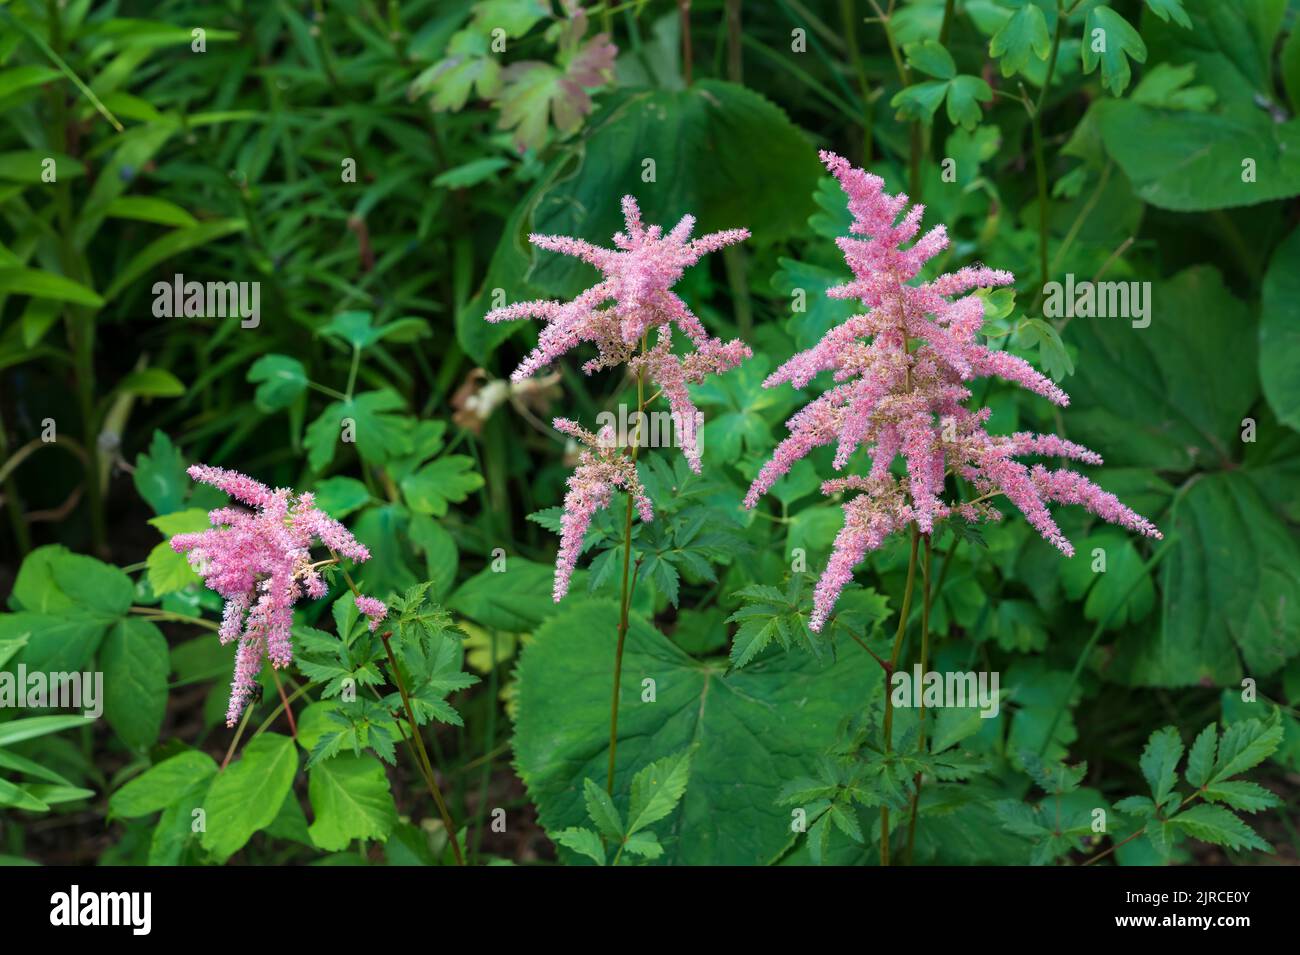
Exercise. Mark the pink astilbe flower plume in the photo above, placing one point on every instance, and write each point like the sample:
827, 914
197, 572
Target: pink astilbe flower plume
893, 400
260, 562
618, 314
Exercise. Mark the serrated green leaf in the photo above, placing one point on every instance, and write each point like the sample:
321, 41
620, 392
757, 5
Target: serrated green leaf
247, 795
350, 799
161, 785
1159, 762
657, 789
1219, 826
583, 841
602, 810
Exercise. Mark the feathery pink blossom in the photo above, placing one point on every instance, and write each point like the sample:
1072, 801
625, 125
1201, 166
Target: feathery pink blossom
601, 468
633, 298
260, 562
894, 400
375, 610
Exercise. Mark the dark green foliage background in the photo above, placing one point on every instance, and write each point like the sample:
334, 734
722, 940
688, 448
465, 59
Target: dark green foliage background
227, 166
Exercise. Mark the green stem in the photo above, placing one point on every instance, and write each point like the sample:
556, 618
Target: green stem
904, 77
893, 665
946, 28
239, 733
425, 764
625, 599
850, 28
154, 613
489, 742
284, 704
735, 62
424, 754
684, 17
1040, 164
925, 668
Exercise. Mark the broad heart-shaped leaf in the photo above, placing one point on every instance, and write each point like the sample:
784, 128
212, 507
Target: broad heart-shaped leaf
54, 643
52, 579
1110, 40
350, 799
760, 174
158, 787
247, 795
1164, 396
1195, 161
1230, 44
135, 662
753, 730
1231, 588
1279, 332
516, 600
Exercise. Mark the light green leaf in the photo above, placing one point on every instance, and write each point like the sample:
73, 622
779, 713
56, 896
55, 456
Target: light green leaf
644, 844
172, 244
1159, 762
150, 383
1111, 41
582, 841
1279, 331
752, 728
247, 795
351, 800
932, 58
340, 496
279, 379
1170, 10
1245, 745
1200, 761
160, 786
20, 77
31, 727
1023, 36
1219, 826
22, 281
602, 810
135, 662
160, 475
449, 479
150, 209
657, 789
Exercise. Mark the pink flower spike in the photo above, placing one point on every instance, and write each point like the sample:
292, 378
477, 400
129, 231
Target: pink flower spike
633, 299
892, 398
260, 562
